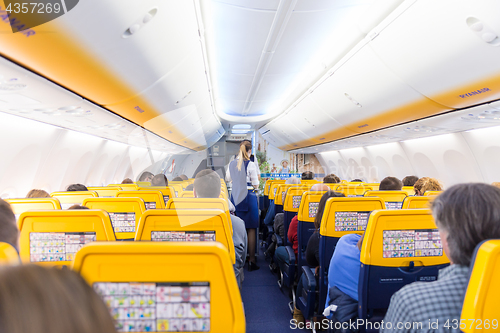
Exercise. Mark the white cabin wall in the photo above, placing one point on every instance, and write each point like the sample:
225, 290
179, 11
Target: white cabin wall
38, 155
470, 156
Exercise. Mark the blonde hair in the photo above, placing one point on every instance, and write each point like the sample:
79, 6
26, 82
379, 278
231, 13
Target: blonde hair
59, 300
496, 184
419, 184
245, 147
432, 184
35, 193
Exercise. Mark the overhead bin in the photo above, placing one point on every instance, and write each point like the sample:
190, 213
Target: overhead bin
447, 50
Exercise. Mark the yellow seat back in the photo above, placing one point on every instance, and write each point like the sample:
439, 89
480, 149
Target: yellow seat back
344, 216
70, 198
8, 255
374, 186
274, 188
124, 213
177, 189
186, 225
309, 205
53, 237
416, 202
187, 194
393, 238
281, 192
20, 206
392, 199
201, 203
152, 198
269, 182
166, 286
167, 191
125, 187
293, 198
353, 190
309, 181
480, 310
409, 190
432, 193
105, 191
143, 184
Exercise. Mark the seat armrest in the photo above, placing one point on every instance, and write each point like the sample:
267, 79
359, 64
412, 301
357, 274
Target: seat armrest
291, 254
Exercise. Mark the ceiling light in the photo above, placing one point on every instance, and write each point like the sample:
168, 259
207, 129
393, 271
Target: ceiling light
423, 129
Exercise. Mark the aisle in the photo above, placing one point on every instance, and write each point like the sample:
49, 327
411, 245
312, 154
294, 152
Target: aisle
266, 307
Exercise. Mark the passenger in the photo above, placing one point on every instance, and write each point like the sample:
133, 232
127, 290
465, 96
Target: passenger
307, 175
496, 184
207, 185
177, 179
243, 174
419, 184
183, 177
127, 181
59, 301
146, 176
159, 180
432, 184
9, 232
465, 215
35, 193
410, 180
331, 179
390, 184
77, 187
77, 206
343, 278
312, 250
190, 187
280, 255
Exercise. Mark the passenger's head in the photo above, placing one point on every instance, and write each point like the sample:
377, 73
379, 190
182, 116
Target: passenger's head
177, 179
331, 179
35, 193
77, 206
9, 233
320, 187
190, 187
356, 181
390, 184
432, 184
59, 301
77, 187
207, 184
127, 181
307, 175
159, 180
496, 184
183, 177
146, 176
245, 152
466, 214
321, 206
410, 180
292, 180
419, 184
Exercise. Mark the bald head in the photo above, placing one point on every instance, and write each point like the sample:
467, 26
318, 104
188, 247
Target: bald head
320, 187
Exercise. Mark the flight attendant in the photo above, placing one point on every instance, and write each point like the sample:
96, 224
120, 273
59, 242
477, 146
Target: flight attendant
245, 180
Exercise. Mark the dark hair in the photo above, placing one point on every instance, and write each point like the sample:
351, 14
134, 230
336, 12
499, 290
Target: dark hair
207, 184
410, 180
77, 206
307, 175
77, 187
356, 181
145, 175
35, 193
183, 177
127, 181
159, 180
331, 179
59, 301
390, 184
190, 187
177, 179
9, 233
321, 206
469, 214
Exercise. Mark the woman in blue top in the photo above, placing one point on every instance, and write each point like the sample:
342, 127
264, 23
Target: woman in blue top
245, 180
